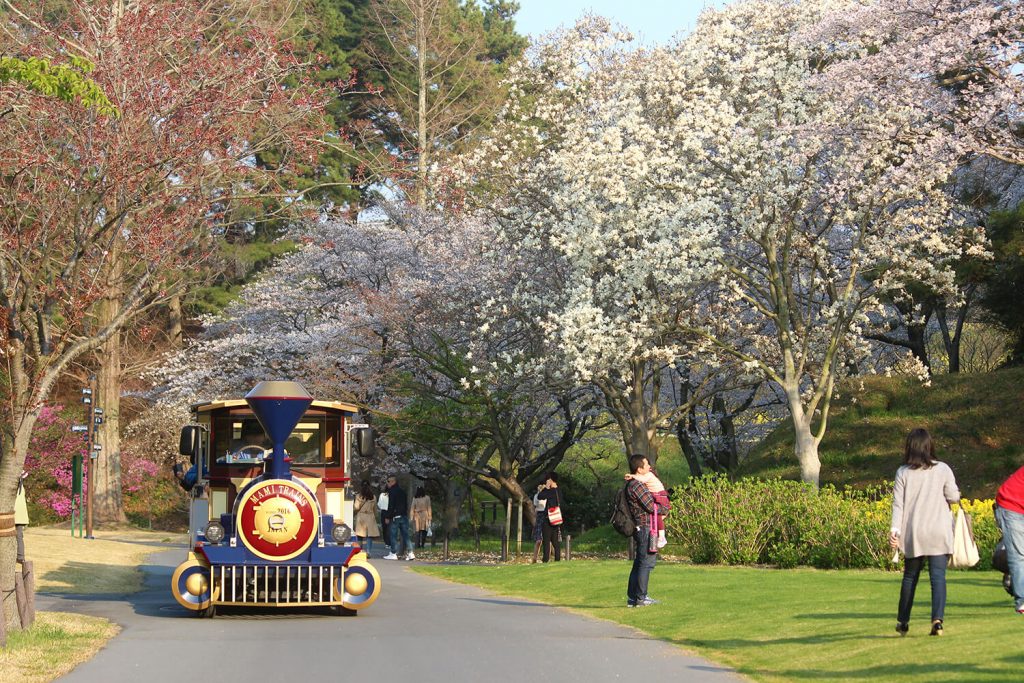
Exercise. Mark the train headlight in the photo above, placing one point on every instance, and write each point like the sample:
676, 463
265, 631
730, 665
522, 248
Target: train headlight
215, 532
341, 533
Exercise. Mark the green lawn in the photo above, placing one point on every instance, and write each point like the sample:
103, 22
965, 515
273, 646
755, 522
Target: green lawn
774, 625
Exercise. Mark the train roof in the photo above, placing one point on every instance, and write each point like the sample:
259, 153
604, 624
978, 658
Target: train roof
207, 406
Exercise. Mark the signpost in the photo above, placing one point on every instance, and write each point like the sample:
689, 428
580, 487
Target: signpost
76, 489
92, 449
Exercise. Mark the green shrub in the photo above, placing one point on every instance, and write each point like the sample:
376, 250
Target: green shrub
774, 521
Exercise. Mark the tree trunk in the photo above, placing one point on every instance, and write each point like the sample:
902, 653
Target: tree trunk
452, 504
174, 333
727, 457
12, 458
105, 470
684, 431
805, 443
917, 343
423, 162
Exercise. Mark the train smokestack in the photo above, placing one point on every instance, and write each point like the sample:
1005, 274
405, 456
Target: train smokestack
278, 406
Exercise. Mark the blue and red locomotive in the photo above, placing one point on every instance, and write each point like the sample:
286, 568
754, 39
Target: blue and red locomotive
271, 514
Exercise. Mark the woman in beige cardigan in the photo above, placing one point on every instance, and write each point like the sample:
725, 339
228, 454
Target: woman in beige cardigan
366, 516
421, 516
922, 525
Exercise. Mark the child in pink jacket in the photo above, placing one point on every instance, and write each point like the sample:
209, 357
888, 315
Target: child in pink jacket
657, 489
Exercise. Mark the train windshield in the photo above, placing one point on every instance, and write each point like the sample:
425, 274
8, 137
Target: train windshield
240, 440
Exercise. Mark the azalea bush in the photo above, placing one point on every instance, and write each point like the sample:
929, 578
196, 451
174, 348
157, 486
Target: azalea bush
151, 496
786, 523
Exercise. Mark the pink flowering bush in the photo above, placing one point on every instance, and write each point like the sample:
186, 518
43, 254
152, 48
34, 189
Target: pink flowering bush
149, 492
48, 486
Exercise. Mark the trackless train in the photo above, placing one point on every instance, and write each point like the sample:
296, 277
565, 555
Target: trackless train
271, 515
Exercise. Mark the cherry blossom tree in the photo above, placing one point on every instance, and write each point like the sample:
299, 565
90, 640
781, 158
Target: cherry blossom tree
385, 315
956, 60
102, 218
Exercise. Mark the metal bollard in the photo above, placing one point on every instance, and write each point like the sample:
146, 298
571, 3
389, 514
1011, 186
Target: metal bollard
504, 548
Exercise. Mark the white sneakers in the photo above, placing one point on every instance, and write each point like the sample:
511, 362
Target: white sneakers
393, 556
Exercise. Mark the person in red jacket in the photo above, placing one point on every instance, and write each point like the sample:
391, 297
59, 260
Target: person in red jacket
1009, 512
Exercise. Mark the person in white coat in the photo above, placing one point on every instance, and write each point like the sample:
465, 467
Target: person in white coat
922, 525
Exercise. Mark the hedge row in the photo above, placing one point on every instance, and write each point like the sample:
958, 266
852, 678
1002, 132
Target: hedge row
786, 524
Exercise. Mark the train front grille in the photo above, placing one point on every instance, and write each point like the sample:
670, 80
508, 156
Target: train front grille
275, 586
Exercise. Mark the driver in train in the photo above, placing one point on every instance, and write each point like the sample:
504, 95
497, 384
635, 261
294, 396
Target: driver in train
252, 444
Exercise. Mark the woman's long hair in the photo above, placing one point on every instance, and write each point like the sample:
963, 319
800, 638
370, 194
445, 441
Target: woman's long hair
420, 492
920, 450
365, 491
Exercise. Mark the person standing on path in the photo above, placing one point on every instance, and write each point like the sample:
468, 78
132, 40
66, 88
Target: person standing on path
398, 511
1009, 511
538, 521
641, 507
422, 516
551, 533
366, 516
922, 525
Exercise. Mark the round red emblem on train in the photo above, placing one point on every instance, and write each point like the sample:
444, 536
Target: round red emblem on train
277, 519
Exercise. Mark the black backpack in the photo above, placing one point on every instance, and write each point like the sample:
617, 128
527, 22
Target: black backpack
622, 516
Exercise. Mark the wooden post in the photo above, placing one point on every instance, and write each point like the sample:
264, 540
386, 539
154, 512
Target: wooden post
504, 547
19, 590
29, 576
519, 528
508, 521
568, 547
445, 555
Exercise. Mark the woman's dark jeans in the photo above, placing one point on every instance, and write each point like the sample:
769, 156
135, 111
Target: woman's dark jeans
551, 538
936, 574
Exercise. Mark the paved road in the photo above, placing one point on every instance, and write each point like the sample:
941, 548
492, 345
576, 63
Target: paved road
421, 629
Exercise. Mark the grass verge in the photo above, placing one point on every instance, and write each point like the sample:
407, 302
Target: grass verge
59, 641
56, 644
108, 563
791, 625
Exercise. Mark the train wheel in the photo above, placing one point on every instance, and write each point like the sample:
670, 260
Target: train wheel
190, 585
358, 587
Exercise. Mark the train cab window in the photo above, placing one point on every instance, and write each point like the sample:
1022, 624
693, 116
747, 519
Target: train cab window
240, 440
314, 441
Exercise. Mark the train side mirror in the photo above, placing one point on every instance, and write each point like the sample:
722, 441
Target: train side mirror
188, 444
365, 442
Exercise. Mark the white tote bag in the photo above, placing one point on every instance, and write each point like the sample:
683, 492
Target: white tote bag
382, 501
965, 549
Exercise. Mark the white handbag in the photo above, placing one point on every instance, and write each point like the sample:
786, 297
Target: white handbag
965, 549
382, 501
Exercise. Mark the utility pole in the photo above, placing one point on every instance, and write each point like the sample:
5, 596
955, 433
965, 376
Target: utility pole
92, 421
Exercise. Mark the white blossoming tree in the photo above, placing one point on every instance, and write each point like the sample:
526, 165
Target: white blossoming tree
583, 176
824, 203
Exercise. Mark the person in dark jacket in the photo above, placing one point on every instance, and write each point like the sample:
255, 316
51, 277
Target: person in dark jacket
641, 507
398, 513
551, 533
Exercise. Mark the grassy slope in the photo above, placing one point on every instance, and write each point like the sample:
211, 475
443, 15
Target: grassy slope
976, 420
786, 625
